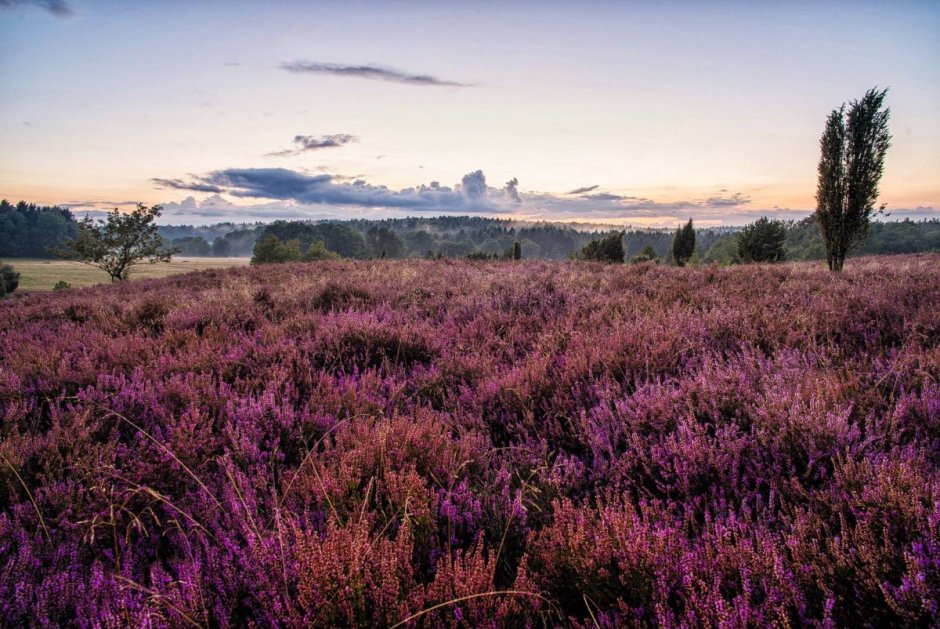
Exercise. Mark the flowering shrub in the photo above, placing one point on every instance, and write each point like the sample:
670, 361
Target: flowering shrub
441, 443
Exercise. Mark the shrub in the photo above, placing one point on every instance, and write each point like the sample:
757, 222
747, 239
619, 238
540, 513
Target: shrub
648, 254
271, 250
607, 249
61, 285
318, 251
9, 279
762, 241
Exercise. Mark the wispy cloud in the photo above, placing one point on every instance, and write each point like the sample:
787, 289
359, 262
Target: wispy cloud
582, 190
58, 8
179, 184
304, 143
378, 73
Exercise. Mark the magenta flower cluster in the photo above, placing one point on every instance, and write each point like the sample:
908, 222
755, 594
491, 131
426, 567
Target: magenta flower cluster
440, 443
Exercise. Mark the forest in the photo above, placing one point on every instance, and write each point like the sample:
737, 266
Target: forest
32, 231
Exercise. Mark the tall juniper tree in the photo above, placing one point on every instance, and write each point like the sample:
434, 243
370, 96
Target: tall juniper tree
683, 244
853, 147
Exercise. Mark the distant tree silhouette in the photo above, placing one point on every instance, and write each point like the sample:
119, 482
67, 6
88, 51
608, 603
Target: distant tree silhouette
385, 243
517, 250
222, 247
683, 244
762, 241
119, 242
853, 147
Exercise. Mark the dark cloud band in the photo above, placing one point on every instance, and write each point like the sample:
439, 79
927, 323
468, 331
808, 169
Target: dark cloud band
283, 184
58, 8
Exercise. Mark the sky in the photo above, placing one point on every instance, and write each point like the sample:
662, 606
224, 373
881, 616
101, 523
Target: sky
634, 113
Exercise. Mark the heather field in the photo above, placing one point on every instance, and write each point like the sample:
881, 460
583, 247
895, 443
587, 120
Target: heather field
441, 443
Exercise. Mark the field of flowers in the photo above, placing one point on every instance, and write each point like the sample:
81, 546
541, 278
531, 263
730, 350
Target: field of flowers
439, 443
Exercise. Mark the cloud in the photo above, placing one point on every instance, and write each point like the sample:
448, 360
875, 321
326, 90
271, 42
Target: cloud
269, 193
179, 184
603, 196
306, 143
733, 200
377, 73
583, 190
921, 211
474, 184
59, 8
471, 196
512, 190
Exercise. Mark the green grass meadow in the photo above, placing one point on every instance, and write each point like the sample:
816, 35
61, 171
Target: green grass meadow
38, 275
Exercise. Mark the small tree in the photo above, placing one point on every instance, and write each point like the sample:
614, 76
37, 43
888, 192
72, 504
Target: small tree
9, 280
607, 249
517, 250
119, 242
762, 241
683, 244
853, 147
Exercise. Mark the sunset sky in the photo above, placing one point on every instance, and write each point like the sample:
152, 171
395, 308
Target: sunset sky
642, 113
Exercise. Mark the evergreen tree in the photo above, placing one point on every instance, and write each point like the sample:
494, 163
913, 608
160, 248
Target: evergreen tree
607, 249
762, 241
683, 244
853, 147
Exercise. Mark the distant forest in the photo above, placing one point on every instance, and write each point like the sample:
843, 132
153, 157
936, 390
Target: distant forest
31, 231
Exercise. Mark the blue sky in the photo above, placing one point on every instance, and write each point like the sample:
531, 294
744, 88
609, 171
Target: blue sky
652, 112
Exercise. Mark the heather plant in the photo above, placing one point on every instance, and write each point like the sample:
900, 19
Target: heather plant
448, 443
